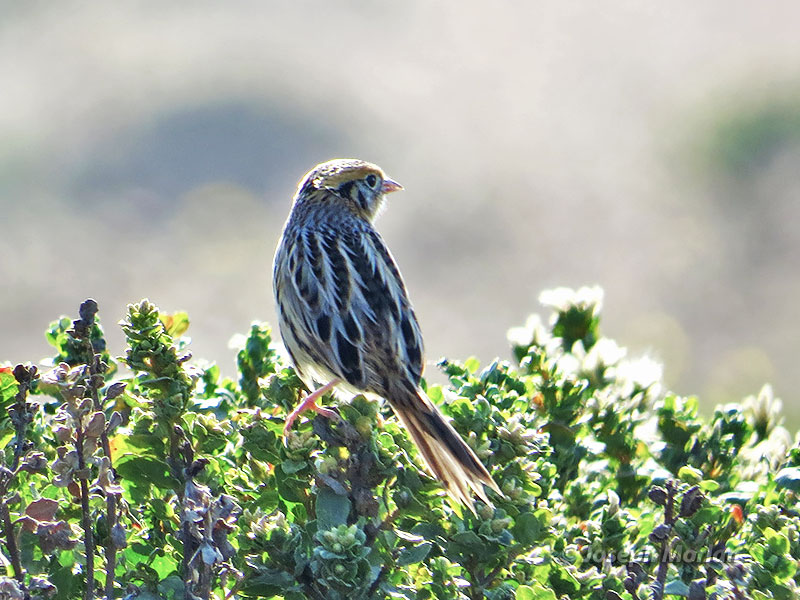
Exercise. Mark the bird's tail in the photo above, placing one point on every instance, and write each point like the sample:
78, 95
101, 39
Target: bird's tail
445, 452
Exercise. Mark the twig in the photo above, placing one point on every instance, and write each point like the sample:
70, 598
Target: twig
666, 544
206, 574
95, 381
81, 329
178, 464
11, 541
198, 586
475, 587
232, 591
86, 515
20, 417
306, 579
512, 554
374, 587
362, 485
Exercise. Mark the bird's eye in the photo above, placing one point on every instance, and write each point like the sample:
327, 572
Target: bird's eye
372, 180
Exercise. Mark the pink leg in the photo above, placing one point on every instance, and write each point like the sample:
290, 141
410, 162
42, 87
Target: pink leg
310, 403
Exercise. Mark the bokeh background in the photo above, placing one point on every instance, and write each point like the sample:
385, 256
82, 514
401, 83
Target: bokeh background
151, 150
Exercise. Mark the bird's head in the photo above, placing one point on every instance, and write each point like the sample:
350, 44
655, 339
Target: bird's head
361, 185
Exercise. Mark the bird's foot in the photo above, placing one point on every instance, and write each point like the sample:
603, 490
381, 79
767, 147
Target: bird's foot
310, 403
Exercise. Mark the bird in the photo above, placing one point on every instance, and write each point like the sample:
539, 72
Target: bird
347, 323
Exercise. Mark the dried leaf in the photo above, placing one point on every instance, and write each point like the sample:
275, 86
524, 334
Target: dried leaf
10, 589
27, 524
210, 554
43, 509
113, 422
115, 390
63, 434
55, 536
96, 425
64, 467
105, 478
34, 462
82, 473
57, 375
75, 490
43, 587
118, 537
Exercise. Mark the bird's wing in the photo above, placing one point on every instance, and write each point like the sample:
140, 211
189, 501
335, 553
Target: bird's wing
349, 306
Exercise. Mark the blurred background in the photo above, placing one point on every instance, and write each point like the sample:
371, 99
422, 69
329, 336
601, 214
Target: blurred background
653, 149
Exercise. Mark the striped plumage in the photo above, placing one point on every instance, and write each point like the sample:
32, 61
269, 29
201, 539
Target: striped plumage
345, 317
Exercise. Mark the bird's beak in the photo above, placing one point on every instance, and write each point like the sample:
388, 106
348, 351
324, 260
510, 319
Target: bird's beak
390, 186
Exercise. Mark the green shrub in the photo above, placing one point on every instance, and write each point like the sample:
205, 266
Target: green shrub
161, 479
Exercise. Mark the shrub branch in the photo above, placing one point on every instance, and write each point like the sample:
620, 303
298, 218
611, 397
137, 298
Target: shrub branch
21, 417
81, 330
86, 516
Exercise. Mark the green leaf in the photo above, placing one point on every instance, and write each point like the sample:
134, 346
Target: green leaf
332, 509
777, 541
145, 595
268, 583
690, 474
563, 580
145, 469
782, 591
8, 386
534, 488
133, 443
757, 551
164, 565
429, 531
290, 467
175, 324
172, 587
290, 488
414, 554
534, 592
709, 485
261, 442
527, 528
470, 542
788, 479
676, 588
68, 583
472, 364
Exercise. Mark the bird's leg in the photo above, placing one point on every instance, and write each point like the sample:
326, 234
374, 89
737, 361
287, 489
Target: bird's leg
310, 403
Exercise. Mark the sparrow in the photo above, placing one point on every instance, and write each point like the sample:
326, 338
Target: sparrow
346, 320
